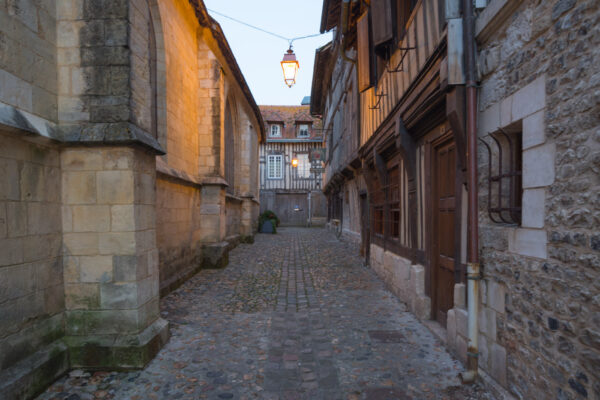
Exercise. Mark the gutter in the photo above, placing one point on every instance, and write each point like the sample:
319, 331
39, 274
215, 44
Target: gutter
473, 271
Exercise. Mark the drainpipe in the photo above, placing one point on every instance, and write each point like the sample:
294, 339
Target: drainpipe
473, 272
309, 208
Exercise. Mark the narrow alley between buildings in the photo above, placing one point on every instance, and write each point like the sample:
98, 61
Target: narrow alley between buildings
295, 315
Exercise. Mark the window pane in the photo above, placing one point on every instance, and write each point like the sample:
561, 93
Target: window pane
303, 169
274, 167
303, 130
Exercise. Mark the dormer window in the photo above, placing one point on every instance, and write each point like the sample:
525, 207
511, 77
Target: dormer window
303, 130
275, 130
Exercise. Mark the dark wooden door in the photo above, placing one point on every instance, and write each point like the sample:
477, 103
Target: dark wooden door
364, 226
292, 209
443, 246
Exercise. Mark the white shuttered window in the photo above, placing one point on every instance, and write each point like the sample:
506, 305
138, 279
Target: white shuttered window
275, 166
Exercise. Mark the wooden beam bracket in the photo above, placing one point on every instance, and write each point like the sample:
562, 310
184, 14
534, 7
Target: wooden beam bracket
379, 96
400, 66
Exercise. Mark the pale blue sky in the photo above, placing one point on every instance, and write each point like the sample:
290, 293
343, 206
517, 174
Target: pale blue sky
259, 54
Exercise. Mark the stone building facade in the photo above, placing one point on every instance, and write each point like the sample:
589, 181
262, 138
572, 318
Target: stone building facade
116, 121
538, 118
540, 309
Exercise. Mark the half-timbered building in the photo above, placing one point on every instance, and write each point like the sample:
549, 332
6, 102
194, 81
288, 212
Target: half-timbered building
392, 137
291, 166
439, 156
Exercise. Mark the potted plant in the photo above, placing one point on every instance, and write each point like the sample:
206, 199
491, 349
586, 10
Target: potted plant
268, 215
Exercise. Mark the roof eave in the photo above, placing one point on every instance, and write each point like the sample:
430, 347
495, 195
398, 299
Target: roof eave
207, 21
316, 95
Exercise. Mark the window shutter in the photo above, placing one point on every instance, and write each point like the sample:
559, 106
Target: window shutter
382, 21
364, 53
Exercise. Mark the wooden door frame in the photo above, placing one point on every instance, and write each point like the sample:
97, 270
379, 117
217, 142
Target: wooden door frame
430, 272
365, 224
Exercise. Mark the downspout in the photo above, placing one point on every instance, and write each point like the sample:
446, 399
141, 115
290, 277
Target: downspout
473, 272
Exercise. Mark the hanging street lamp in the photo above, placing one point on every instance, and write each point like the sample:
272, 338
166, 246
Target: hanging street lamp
295, 162
290, 67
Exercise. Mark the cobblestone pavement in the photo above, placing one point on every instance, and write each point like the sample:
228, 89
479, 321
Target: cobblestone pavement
294, 316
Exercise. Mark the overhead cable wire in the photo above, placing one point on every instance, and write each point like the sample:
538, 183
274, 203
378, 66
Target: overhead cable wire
289, 40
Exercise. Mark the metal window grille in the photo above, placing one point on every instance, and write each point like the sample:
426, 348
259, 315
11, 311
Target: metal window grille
275, 167
504, 176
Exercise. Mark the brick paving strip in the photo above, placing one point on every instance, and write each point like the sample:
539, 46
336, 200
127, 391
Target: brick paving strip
300, 361
294, 316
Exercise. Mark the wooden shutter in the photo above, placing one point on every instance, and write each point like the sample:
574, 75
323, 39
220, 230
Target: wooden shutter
364, 53
381, 18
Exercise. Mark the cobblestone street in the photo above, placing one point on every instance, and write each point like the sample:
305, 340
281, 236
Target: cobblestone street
294, 316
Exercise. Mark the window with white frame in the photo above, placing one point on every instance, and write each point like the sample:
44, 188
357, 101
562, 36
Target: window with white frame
303, 169
275, 130
303, 130
275, 166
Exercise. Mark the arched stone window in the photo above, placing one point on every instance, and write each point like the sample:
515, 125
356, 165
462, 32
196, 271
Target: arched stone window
152, 59
229, 149
157, 77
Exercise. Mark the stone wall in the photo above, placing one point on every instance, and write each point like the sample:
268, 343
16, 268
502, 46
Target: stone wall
178, 230
31, 269
93, 224
28, 71
111, 260
178, 200
540, 313
233, 215
351, 219
404, 279
192, 211
93, 69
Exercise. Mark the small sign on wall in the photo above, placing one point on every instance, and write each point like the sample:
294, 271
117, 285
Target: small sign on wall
317, 154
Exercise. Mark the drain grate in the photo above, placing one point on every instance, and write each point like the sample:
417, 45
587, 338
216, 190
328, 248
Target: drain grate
386, 394
387, 336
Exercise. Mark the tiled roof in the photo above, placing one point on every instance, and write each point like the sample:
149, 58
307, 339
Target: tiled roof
290, 116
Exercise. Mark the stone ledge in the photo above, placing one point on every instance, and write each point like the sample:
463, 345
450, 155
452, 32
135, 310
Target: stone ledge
163, 168
233, 198
215, 255
108, 133
492, 17
120, 352
497, 390
98, 133
34, 374
18, 120
214, 181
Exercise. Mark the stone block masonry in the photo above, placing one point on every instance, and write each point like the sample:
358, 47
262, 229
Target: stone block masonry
86, 228
405, 280
31, 279
111, 273
541, 278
